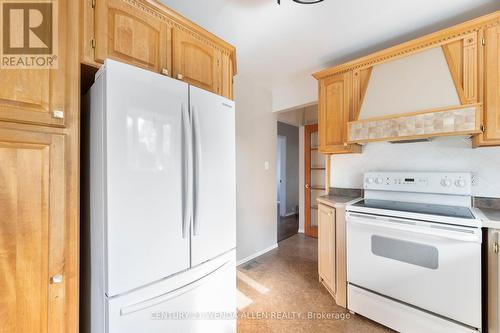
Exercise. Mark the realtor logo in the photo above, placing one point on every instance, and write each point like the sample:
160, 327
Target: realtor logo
29, 34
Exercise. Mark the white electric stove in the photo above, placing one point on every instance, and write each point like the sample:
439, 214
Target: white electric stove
414, 252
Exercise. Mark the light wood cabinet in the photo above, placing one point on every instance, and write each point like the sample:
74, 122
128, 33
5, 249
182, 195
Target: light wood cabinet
472, 52
128, 34
147, 34
196, 62
491, 88
33, 233
37, 96
335, 111
332, 258
39, 154
326, 247
493, 281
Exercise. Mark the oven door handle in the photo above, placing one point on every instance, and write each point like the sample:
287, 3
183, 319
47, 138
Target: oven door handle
465, 234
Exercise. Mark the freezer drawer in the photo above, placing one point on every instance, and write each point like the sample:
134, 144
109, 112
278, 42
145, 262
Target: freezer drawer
201, 300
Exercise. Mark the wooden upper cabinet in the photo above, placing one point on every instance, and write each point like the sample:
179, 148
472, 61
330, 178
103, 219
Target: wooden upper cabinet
491, 89
196, 61
148, 34
32, 229
128, 34
335, 111
37, 96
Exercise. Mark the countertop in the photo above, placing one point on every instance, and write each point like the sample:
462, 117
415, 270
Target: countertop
336, 201
490, 217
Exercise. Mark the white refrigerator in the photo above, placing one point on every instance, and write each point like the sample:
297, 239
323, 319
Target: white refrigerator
158, 214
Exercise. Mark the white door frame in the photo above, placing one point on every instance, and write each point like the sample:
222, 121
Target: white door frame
281, 172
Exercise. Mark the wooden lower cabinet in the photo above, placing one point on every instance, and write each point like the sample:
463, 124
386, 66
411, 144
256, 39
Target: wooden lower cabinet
493, 281
332, 259
32, 232
326, 247
335, 111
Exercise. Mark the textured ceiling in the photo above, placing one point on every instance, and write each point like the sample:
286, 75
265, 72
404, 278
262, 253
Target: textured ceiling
276, 44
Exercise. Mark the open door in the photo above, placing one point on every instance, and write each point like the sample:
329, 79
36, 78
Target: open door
314, 179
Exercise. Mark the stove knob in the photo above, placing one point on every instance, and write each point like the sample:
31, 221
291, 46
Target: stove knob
460, 183
445, 182
369, 180
379, 180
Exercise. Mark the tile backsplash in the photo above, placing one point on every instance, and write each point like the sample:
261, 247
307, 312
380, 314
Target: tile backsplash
460, 120
440, 154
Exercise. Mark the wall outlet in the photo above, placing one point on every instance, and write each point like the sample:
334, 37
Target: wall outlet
474, 179
266, 165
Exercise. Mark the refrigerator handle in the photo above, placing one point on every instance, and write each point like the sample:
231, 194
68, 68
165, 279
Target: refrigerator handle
187, 200
197, 169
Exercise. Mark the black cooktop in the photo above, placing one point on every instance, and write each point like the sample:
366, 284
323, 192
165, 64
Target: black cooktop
420, 208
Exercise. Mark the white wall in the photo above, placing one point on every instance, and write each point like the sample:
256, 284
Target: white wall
256, 141
300, 91
442, 154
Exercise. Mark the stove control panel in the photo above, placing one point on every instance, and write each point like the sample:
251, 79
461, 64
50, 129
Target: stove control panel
458, 183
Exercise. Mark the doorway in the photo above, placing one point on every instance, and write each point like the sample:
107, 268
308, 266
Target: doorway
281, 176
287, 186
314, 179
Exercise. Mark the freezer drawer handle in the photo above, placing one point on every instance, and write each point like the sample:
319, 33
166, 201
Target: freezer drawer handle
173, 294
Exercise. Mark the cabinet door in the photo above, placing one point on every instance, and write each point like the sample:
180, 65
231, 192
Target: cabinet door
227, 76
493, 281
335, 111
195, 61
492, 86
32, 232
128, 34
326, 246
32, 95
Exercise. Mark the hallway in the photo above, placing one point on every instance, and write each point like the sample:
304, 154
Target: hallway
279, 292
287, 226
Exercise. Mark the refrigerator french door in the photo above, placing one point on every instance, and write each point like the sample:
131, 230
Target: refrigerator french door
161, 232
214, 207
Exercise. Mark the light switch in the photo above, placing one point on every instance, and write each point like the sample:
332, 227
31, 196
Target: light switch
266, 165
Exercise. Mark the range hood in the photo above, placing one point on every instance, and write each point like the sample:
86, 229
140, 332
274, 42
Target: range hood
414, 97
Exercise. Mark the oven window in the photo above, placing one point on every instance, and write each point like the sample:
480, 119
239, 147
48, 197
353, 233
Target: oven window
409, 252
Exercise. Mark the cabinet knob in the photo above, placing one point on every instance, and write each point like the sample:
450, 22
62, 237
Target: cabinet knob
164, 71
307, 186
330, 213
180, 76
56, 279
495, 247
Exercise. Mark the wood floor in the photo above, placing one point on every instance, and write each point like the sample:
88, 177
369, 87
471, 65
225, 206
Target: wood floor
279, 292
287, 226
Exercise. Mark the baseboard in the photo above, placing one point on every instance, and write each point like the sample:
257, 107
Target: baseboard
290, 214
255, 255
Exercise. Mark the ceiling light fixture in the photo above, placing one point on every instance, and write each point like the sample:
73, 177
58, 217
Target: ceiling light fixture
304, 2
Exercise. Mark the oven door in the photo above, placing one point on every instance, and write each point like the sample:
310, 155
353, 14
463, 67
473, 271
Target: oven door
435, 267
